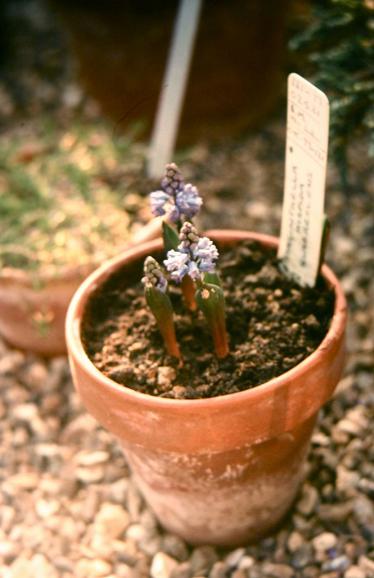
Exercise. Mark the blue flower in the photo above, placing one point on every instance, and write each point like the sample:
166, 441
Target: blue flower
173, 213
159, 199
205, 253
177, 263
193, 270
195, 255
176, 200
188, 201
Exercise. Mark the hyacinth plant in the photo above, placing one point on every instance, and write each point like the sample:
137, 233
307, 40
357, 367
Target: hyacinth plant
176, 202
190, 262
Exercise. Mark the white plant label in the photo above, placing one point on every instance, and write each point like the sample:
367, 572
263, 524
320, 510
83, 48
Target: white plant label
305, 177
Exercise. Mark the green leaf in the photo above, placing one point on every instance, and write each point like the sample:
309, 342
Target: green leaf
162, 309
212, 279
159, 303
211, 301
170, 236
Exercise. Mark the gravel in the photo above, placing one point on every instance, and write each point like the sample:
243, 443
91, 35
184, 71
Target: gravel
68, 505
69, 508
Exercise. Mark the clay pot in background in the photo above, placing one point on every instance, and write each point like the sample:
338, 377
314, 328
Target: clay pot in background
121, 51
223, 470
32, 316
33, 308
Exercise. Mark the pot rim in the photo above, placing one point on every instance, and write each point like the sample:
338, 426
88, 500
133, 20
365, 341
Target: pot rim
100, 275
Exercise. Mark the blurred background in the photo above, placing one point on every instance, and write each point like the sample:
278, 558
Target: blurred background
59, 53
79, 88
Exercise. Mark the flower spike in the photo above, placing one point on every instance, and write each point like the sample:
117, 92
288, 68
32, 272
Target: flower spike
155, 290
177, 201
194, 260
188, 201
188, 290
194, 256
173, 180
188, 237
154, 277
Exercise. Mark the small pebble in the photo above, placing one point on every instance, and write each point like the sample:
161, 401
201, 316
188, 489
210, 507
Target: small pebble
295, 541
11, 362
367, 565
178, 391
233, 559
219, 570
302, 557
182, 571
136, 532
36, 375
125, 571
92, 568
240, 573
24, 481
162, 565
90, 475
363, 509
111, 520
309, 500
202, 559
340, 563
278, 570
346, 480
88, 459
26, 412
175, 547
324, 541
354, 572
165, 376
311, 321
246, 562
8, 550
335, 512
47, 508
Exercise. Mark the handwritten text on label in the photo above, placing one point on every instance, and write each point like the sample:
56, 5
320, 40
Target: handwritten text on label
305, 175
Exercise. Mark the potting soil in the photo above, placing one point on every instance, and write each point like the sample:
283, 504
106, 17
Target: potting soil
273, 324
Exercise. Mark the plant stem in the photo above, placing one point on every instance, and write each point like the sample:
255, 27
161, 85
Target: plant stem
168, 333
188, 290
219, 334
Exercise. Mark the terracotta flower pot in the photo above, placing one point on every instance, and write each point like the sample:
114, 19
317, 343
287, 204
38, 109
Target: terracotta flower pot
235, 80
33, 308
223, 470
32, 316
